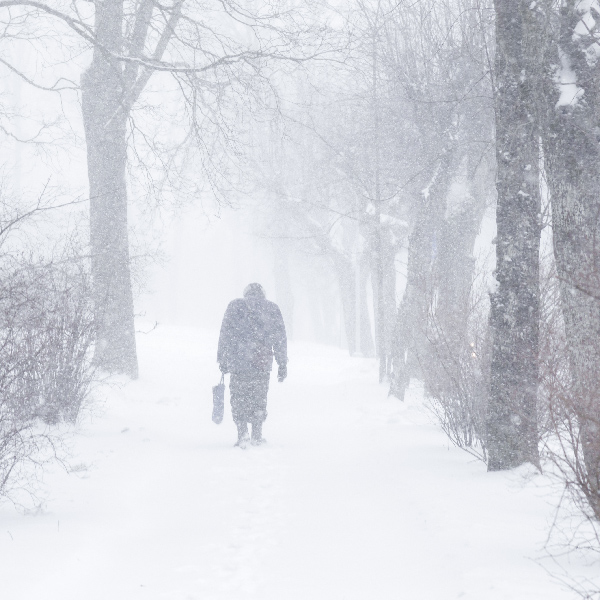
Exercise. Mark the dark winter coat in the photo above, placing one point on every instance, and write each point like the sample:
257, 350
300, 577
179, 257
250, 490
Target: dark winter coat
251, 336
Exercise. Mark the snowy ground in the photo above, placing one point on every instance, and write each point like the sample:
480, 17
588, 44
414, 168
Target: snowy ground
355, 496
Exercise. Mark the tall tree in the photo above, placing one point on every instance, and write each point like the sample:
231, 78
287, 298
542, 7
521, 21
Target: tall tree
511, 420
440, 64
130, 41
572, 164
106, 92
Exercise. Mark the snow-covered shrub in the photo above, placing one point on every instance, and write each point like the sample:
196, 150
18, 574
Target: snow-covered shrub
561, 413
457, 382
46, 337
564, 409
554, 372
456, 377
25, 448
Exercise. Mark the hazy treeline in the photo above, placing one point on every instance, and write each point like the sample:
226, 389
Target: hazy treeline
387, 161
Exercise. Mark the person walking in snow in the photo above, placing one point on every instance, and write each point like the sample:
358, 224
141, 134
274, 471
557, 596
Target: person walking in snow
252, 333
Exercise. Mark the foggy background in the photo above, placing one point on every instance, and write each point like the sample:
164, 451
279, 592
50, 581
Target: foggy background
415, 183
209, 261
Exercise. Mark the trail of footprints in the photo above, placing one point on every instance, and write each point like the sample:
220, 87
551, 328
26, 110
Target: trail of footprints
254, 530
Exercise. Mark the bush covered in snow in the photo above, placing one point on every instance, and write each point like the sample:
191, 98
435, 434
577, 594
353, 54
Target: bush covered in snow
46, 336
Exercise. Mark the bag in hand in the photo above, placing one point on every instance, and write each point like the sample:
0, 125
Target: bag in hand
219, 401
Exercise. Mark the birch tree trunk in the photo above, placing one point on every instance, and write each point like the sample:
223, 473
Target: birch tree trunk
511, 419
105, 129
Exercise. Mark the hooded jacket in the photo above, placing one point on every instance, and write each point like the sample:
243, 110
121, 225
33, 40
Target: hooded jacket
252, 333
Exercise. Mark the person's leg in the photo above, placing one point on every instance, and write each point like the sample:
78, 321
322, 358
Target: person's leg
257, 437
239, 407
260, 389
242, 435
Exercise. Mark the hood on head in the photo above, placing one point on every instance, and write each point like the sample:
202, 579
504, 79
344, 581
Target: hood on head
255, 296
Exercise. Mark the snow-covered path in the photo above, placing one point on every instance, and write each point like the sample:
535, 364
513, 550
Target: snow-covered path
355, 496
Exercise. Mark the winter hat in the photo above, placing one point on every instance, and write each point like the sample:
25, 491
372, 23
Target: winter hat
254, 289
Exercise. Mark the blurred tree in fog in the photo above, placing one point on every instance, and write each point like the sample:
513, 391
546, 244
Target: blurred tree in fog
392, 140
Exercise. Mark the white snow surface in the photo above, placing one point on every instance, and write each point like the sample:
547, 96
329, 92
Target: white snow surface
355, 496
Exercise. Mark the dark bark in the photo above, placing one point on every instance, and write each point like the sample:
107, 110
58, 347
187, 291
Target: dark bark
511, 420
105, 117
572, 164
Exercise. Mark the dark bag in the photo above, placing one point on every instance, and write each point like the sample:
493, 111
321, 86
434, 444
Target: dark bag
219, 401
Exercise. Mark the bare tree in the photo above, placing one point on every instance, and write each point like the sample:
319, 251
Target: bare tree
130, 42
444, 74
512, 436
572, 160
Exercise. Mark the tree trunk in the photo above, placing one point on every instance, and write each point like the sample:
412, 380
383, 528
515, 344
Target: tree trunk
105, 118
572, 164
383, 283
511, 419
283, 285
455, 263
454, 271
410, 346
347, 284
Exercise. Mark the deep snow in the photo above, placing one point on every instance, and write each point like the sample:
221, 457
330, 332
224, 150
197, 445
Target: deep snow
355, 496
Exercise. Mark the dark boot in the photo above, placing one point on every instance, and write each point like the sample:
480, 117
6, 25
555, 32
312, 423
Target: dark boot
257, 438
242, 440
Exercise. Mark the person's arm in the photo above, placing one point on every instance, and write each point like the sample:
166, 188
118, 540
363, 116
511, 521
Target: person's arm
225, 337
